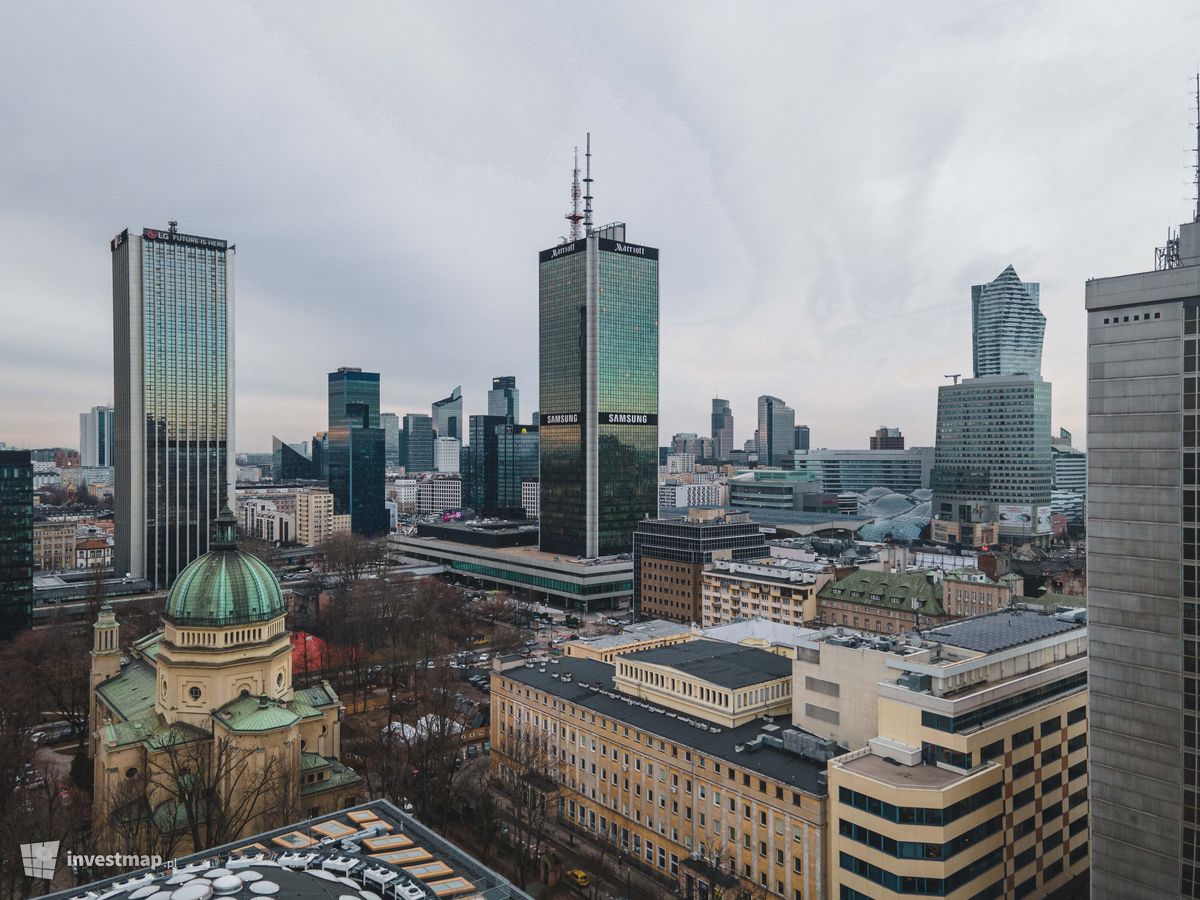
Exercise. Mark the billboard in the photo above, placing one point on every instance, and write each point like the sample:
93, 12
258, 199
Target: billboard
1014, 516
1043, 520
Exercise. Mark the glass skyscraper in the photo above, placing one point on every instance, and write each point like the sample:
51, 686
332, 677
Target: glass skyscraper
776, 431
16, 542
416, 443
356, 450
173, 367
482, 469
96, 437
504, 399
722, 428
598, 346
447, 415
390, 423
1007, 327
517, 451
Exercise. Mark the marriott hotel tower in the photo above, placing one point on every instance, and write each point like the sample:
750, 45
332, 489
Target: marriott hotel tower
598, 342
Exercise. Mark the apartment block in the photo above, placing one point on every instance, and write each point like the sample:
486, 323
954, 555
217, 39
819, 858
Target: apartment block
778, 590
684, 758
882, 602
53, 546
314, 517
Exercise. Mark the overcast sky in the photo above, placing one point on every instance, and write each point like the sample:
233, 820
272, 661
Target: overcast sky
825, 182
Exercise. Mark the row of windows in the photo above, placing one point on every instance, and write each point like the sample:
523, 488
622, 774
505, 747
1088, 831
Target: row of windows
918, 815
972, 720
912, 884
919, 849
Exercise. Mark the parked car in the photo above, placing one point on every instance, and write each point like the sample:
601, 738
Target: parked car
578, 877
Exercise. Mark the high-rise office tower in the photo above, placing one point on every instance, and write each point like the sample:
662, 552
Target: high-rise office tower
447, 455
802, 438
686, 442
598, 347
886, 438
16, 542
482, 468
173, 368
96, 437
356, 450
1143, 524
390, 423
517, 449
776, 431
320, 455
1007, 326
722, 428
504, 399
417, 448
447, 415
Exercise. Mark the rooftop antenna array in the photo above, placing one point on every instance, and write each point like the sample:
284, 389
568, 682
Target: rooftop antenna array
1196, 217
1168, 256
587, 188
575, 216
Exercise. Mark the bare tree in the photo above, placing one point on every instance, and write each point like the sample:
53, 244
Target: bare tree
349, 558
528, 775
216, 788
55, 666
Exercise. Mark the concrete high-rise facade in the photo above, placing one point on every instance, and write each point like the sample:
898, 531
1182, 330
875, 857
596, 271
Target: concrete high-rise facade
96, 437
390, 423
1143, 525
598, 346
447, 415
722, 429
447, 454
356, 450
504, 399
173, 368
776, 431
1007, 326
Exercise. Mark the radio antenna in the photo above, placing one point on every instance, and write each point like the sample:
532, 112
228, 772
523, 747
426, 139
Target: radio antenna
575, 216
587, 189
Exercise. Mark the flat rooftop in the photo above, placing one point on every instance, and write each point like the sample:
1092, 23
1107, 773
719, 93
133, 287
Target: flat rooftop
896, 775
1001, 630
519, 555
632, 634
591, 687
364, 851
717, 662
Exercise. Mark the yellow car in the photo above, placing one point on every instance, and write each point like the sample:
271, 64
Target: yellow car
578, 877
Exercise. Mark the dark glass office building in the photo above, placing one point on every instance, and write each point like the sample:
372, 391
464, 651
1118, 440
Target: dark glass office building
416, 443
504, 399
356, 450
517, 448
598, 344
16, 542
289, 464
481, 470
173, 368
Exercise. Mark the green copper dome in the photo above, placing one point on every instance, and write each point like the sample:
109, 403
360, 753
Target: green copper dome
224, 586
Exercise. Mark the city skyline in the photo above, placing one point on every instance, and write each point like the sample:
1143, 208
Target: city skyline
945, 205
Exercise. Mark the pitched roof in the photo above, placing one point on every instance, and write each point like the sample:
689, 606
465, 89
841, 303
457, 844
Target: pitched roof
254, 714
887, 590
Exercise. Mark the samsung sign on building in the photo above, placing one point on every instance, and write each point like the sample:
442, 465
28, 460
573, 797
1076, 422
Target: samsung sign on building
604, 418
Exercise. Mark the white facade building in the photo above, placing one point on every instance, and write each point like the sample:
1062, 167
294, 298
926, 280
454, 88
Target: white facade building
439, 494
446, 454
530, 497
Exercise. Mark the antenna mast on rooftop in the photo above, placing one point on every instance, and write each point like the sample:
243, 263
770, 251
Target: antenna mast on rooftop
1197, 166
587, 189
575, 216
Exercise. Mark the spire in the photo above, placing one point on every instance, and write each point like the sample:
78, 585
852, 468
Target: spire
575, 216
587, 189
1196, 218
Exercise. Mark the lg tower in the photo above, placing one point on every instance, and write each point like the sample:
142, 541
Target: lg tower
598, 343
173, 392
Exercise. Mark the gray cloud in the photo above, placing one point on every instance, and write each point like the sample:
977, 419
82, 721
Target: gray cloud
825, 182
